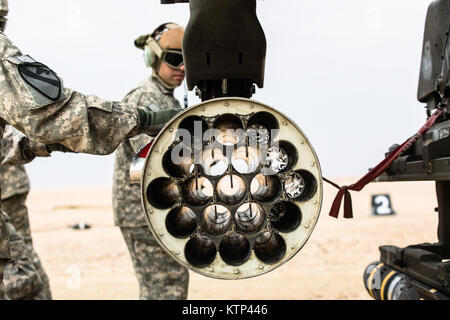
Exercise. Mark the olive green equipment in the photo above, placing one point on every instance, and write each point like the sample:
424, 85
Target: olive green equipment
151, 122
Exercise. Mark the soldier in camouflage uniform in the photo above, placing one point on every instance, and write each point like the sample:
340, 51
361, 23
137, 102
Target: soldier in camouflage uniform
34, 101
15, 186
22, 280
159, 276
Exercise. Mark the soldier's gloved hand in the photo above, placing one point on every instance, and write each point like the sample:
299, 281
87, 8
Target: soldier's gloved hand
151, 122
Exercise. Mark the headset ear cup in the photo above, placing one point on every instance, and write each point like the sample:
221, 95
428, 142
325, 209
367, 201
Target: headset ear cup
149, 57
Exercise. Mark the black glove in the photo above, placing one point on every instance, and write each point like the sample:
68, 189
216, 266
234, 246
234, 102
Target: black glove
151, 122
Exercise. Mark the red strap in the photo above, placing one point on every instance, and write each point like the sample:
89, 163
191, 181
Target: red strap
143, 152
375, 172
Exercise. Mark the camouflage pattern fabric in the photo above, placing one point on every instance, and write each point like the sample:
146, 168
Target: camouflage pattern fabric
18, 149
4, 254
15, 207
80, 123
15, 186
21, 279
159, 275
4, 7
3, 13
14, 181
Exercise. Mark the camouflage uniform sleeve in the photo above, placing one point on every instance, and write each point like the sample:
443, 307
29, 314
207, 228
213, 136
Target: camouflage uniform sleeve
140, 98
18, 149
82, 123
5, 254
4, 243
21, 279
14, 181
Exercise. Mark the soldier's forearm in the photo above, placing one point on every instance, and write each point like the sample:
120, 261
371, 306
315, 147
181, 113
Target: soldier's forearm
35, 102
48, 113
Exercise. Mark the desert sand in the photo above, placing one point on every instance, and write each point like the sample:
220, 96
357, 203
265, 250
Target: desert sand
94, 264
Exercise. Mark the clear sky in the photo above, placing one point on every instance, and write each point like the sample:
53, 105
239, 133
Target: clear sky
345, 71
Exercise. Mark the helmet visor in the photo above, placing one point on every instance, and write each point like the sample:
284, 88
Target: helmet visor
173, 58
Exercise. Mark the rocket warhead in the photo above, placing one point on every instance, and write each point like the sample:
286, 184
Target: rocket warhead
3, 14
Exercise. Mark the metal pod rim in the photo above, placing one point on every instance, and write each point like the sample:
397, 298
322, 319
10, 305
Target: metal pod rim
247, 263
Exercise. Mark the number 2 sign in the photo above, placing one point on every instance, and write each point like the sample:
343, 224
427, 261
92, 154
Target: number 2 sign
381, 205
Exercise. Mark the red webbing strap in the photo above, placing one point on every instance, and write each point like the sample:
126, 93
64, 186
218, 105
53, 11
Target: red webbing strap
375, 172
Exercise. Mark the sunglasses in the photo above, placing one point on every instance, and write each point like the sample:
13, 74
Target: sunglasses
173, 58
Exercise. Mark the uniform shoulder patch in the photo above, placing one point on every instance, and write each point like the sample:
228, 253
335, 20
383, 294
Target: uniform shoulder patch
40, 77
